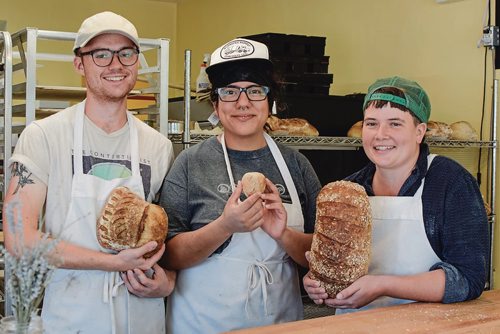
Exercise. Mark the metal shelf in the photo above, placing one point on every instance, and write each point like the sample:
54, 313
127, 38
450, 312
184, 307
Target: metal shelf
333, 143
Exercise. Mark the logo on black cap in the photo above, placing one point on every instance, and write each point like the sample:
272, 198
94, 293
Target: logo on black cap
236, 49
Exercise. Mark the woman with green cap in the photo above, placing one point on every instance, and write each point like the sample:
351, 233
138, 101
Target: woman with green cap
430, 237
237, 255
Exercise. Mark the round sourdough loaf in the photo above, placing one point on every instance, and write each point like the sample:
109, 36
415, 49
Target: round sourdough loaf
340, 250
463, 130
253, 182
356, 130
127, 221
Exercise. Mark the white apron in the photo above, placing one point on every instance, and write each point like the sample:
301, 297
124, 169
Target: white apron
92, 301
399, 243
253, 282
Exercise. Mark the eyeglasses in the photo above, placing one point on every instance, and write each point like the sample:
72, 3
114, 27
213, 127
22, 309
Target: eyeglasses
232, 93
104, 57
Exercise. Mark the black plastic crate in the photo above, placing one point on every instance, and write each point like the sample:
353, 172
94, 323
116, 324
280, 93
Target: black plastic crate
332, 115
297, 65
304, 88
309, 78
291, 45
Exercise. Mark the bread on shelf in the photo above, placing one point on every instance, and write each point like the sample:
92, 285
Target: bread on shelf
438, 130
290, 127
356, 130
463, 130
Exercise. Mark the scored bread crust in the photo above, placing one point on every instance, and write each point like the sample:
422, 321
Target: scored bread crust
341, 245
127, 221
438, 130
290, 127
253, 182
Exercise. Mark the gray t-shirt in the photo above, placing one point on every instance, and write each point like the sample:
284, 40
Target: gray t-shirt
197, 187
46, 149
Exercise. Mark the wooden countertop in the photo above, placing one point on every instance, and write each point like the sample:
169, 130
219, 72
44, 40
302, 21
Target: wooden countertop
480, 316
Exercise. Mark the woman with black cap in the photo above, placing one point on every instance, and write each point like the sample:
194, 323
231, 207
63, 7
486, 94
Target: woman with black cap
237, 255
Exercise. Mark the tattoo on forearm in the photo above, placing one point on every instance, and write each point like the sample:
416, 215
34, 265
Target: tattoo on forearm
24, 176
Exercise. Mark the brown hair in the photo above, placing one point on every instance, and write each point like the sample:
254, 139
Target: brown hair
396, 92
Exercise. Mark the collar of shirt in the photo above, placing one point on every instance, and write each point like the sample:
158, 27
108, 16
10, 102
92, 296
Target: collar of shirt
412, 183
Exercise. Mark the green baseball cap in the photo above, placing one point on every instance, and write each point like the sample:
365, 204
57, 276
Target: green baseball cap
416, 99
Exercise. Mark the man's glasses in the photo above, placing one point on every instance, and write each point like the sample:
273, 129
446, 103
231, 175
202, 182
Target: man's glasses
232, 93
104, 57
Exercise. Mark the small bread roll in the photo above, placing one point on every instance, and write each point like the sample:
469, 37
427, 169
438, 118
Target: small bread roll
128, 221
462, 130
253, 182
355, 130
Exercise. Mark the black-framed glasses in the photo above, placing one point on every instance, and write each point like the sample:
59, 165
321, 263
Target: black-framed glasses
127, 56
232, 93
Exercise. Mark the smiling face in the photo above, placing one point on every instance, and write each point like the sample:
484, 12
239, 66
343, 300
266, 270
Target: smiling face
391, 139
111, 83
243, 120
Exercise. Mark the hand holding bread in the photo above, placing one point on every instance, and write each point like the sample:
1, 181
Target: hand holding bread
127, 221
341, 245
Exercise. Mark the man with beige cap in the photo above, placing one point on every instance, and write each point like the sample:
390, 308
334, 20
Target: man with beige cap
67, 165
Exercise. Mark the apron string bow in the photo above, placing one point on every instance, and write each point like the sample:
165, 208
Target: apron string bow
264, 277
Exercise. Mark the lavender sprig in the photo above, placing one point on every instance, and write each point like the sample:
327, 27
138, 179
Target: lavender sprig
29, 268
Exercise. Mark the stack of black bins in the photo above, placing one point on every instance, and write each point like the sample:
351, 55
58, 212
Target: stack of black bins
303, 67
299, 61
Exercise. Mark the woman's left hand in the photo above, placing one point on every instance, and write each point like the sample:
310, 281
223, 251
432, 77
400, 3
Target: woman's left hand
159, 285
360, 293
275, 216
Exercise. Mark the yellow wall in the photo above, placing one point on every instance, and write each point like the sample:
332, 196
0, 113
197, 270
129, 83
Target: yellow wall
435, 44
432, 43
153, 19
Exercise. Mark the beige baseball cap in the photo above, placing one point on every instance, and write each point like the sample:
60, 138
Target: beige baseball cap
105, 23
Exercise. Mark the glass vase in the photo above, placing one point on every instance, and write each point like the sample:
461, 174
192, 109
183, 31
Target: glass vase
9, 325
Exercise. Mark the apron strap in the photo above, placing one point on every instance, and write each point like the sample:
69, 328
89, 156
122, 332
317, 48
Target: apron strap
78, 139
228, 165
285, 172
265, 277
420, 190
134, 145
112, 282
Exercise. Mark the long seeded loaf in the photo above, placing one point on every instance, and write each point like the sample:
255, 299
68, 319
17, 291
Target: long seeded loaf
340, 251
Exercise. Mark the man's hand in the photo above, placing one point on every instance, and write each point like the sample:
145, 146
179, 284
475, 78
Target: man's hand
160, 284
134, 258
